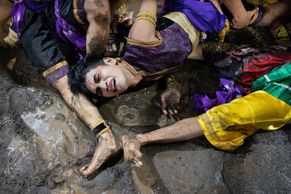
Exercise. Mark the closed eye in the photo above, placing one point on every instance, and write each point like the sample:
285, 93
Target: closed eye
96, 79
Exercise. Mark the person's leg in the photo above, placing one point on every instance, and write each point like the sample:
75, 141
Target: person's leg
182, 130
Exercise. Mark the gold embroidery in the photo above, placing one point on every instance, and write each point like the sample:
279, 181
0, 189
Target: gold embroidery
280, 33
146, 44
131, 69
184, 23
54, 68
75, 12
148, 76
147, 16
224, 31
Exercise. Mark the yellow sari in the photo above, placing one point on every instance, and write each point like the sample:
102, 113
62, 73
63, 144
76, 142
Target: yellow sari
226, 126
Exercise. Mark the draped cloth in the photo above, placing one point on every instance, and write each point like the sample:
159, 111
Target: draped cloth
268, 107
203, 15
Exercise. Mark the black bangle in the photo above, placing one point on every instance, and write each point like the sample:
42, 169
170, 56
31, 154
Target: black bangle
100, 128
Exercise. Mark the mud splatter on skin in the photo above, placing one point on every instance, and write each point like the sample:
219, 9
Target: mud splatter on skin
98, 41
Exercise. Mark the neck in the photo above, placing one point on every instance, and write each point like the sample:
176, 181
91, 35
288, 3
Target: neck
133, 77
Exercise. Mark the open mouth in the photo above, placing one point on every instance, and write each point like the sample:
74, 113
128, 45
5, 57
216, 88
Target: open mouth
112, 86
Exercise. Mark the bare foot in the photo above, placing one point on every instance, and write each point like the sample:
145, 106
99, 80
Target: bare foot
105, 148
131, 148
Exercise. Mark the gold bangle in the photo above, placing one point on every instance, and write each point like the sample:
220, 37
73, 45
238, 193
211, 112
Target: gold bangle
147, 16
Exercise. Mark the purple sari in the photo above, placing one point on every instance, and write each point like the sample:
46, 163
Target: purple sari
227, 91
202, 15
65, 30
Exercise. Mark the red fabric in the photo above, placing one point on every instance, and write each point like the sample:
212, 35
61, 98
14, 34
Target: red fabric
259, 65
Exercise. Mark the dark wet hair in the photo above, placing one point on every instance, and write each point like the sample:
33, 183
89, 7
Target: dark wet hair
77, 75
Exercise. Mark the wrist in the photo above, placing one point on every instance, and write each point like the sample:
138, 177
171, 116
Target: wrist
142, 139
100, 128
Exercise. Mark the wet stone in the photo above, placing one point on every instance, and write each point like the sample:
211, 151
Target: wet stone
43, 145
191, 171
59, 117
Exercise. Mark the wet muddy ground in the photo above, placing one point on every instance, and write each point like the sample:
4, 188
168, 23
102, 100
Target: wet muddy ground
43, 144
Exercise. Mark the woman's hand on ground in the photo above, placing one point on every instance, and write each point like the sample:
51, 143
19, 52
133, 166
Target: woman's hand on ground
169, 100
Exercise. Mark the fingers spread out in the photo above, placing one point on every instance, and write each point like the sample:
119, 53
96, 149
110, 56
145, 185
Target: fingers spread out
173, 112
164, 102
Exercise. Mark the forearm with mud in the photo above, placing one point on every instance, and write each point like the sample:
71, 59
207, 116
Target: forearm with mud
182, 130
86, 111
90, 115
98, 16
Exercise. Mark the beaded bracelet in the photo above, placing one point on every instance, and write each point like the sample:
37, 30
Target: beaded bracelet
100, 128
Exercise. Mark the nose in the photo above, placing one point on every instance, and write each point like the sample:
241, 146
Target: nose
102, 85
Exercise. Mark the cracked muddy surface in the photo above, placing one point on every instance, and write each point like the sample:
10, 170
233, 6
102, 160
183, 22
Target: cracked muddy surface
43, 145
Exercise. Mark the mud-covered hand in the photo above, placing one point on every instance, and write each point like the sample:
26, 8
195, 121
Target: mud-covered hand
169, 100
131, 149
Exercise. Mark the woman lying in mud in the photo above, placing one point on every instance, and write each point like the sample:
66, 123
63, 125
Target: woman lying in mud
226, 126
176, 40
149, 54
